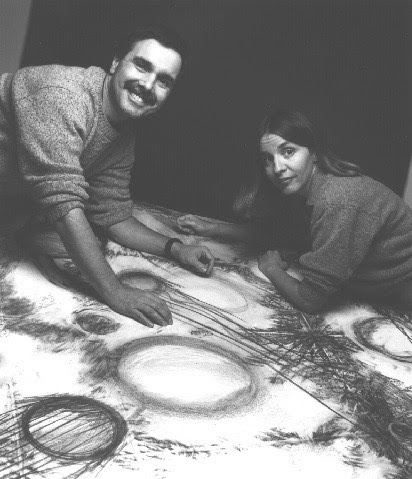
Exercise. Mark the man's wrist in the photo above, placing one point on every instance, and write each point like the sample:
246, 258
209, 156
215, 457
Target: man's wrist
171, 246
176, 247
109, 287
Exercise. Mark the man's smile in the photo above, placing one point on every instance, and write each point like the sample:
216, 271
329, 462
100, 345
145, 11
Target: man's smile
140, 95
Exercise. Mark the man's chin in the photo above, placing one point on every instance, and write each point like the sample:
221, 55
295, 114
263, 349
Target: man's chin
148, 111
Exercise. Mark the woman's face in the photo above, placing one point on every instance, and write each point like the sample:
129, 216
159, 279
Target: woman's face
288, 166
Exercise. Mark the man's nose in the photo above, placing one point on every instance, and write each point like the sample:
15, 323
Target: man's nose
148, 80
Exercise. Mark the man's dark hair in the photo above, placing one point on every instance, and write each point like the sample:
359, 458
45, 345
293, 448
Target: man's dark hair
164, 35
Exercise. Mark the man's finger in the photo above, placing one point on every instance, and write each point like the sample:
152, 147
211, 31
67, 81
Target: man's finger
154, 316
161, 308
141, 318
211, 262
206, 258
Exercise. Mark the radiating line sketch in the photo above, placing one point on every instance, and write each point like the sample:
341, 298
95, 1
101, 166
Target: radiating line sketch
240, 384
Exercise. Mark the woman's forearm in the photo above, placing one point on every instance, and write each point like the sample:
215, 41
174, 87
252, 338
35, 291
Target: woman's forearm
291, 288
245, 233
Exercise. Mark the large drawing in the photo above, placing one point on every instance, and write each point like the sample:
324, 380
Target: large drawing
241, 384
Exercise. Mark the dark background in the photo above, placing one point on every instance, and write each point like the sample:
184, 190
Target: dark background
347, 62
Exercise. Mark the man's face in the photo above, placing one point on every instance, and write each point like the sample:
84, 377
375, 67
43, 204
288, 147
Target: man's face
140, 83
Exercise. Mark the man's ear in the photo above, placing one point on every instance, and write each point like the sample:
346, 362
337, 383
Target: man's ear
113, 66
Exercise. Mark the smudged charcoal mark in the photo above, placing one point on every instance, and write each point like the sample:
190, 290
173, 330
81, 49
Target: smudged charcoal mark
334, 429
66, 276
365, 330
154, 444
17, 307
96, 323
102, 363
13, 309
402, 432
282, 438
48, 333
73, 428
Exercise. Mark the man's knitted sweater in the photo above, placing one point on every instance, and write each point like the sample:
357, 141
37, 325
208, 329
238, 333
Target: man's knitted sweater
361, 235
57, 146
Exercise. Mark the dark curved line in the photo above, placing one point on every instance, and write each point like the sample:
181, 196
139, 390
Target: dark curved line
118, 422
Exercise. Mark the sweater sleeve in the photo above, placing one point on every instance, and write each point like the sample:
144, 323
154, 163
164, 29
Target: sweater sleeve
51, 130
109, 195
341, 238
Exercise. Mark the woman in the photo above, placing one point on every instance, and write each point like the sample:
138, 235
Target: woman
360, 231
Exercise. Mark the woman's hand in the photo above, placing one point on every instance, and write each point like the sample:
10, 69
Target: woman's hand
193, 225
198, 258
272, 260
142, 306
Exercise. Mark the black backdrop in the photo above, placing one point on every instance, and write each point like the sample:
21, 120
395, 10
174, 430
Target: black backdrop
348, 62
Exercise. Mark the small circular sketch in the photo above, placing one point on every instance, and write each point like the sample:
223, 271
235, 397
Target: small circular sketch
384, 336
142, 280
401, 431
96, 323
186, 375
73, 428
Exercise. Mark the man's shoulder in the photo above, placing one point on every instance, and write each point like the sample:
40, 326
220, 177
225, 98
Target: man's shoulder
29, 80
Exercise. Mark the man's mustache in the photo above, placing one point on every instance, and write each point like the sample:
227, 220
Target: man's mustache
146, 95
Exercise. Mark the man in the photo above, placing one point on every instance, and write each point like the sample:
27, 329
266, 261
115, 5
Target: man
67, 141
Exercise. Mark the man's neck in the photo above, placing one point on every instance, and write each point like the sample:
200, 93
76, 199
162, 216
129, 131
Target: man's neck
107, 105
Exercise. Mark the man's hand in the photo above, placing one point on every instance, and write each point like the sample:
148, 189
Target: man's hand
197, 257
146, 308
272, 260
193, 225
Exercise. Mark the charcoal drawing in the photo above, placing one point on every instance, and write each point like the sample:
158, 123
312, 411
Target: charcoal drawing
241, 376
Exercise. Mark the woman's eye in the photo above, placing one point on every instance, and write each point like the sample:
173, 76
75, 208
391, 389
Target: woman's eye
266, 159
289, 151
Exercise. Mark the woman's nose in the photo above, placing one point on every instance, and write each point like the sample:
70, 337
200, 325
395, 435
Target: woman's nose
278, 165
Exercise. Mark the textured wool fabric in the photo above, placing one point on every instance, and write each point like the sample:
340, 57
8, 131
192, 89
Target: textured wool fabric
361, 237
58, 148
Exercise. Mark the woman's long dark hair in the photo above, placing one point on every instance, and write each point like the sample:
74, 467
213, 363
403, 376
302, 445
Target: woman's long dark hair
294, 126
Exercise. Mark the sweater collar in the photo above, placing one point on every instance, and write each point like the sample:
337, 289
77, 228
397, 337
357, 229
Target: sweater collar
109, 131
316, 185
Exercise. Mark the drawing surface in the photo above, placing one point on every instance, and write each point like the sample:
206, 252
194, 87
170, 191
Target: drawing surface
242, 384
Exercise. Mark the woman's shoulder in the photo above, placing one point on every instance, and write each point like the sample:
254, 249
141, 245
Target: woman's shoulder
356, 191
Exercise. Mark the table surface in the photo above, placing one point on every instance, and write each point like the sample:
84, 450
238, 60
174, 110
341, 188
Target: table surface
242, 383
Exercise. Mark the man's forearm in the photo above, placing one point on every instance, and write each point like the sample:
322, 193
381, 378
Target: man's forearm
83, 247
134, 234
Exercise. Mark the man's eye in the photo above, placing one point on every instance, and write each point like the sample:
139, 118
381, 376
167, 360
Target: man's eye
165, 83
139, 66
